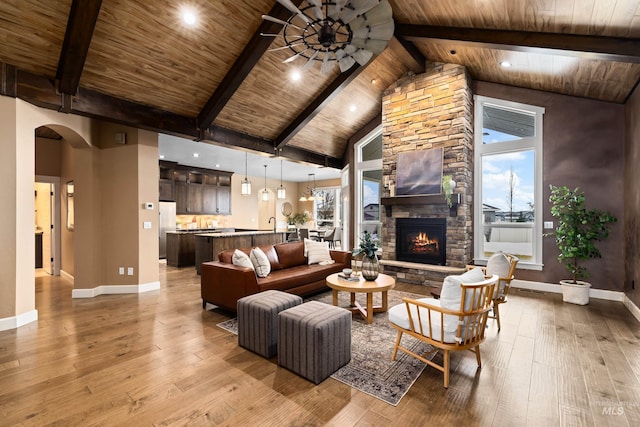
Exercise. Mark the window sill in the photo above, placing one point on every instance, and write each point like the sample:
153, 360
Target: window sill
521, 265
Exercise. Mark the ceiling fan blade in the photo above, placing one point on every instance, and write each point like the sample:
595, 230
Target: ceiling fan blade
374, 45
317, 8
293, 57
379, 32
310, 61
358, 7
345, 61
284, 47
335, 8
327, 65
380, 14
280, 21
362, 56
294, 9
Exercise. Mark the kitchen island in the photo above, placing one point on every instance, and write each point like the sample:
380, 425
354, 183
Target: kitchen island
181, 245
208, 245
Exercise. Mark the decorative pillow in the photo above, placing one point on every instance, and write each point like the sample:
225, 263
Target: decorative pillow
451, 295
260, 262
241, 259
499, 264
317, 252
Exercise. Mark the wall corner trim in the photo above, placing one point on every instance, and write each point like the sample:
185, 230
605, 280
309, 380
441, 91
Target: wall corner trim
67, 276
115, 289
633, 308
15, 322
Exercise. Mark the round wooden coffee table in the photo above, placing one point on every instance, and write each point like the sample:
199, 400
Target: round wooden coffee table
382, 284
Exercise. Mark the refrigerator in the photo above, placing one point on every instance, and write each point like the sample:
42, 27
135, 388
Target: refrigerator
167, 222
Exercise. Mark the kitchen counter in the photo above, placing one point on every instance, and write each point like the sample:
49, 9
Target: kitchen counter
208, 245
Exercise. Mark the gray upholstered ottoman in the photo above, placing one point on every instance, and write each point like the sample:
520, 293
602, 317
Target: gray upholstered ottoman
258, 320
314, 339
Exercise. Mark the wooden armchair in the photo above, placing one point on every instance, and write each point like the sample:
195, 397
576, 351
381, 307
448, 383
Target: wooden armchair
504, 265
445, 328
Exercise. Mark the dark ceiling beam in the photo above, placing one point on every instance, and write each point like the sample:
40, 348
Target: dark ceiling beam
77, 38
582, 46
316, 106
414, 52
222, 136
41, 91
239, 71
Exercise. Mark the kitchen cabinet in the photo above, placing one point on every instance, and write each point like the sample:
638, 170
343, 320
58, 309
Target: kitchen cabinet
181, 249
166, 186
199, 191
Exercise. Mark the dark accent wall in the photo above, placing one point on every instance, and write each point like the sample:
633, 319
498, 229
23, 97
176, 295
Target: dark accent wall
632, 198
583, 147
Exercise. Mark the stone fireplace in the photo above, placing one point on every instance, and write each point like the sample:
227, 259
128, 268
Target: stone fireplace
421, 112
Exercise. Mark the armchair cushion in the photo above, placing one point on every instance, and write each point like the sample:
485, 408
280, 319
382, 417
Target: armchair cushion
499, 264
398, 316
451, 295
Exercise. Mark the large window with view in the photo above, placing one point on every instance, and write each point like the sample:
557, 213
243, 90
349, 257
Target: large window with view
368, 154
508, 180
326, 208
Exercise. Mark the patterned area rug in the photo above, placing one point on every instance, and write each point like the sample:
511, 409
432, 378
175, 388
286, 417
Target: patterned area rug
371, 369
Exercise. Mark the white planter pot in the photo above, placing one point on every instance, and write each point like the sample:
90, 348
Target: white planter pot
575, 293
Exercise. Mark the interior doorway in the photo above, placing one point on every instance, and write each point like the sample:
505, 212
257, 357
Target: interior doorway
47, 225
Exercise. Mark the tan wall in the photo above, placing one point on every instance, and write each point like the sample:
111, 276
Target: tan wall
48, 157
67, 247
8, 233
245, 210
147, 177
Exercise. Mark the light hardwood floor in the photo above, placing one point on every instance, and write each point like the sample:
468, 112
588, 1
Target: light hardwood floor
158, 359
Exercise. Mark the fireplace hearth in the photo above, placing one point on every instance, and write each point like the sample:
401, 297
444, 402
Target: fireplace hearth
421, 240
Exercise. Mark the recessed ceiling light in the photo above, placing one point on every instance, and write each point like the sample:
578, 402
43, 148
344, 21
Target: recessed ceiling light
196, 155
161, 156
373, 81
505, 64
188, 16
296, 75
217, 165
352, 108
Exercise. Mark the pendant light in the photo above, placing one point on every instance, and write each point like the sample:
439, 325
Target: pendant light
265, 192
246, 184
282, 194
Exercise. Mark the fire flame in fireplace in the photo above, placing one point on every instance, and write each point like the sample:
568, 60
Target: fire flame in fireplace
422, 243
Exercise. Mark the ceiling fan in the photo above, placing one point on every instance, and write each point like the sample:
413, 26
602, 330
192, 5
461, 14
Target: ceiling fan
338, 31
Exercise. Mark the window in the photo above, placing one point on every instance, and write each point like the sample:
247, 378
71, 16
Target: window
368, 174
508, 180
326, 208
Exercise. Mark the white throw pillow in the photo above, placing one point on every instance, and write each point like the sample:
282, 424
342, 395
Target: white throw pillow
451, 295
317, 252
499, 264
241, 259
260, 262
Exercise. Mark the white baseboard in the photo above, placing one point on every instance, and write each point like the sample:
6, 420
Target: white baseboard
553, 288
115, 289
66, 276
632, 307
19, 320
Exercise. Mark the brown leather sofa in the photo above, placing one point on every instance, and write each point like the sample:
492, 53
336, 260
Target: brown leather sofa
223, 283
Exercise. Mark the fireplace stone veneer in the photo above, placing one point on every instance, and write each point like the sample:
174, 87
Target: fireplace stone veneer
422, 112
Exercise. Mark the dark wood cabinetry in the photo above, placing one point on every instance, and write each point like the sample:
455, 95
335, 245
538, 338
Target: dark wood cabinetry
181, 249
195, 190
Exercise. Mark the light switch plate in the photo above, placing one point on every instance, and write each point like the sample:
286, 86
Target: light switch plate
146, 225
548, 225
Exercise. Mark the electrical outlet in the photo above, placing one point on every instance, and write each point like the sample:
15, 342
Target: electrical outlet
130, 271
121, 271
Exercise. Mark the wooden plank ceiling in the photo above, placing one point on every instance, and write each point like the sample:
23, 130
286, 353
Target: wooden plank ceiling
215, 82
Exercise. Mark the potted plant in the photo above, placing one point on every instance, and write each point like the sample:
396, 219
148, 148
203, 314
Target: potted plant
368, 248
577, 230
448, 184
